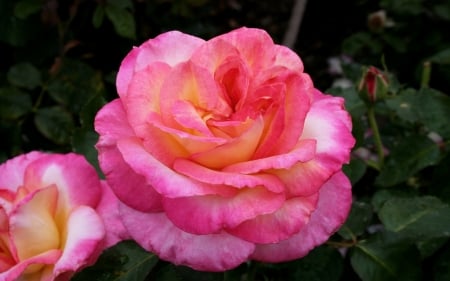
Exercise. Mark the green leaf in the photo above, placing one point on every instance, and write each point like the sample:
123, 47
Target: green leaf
427, 106
24, 75
83, 142
122, 21
99, 15
408, 157
355, 170
14, 103
323, 263
54, 123
378, 259
418, 218
126, 261
25, 8
442, 57
75, 85
358, 220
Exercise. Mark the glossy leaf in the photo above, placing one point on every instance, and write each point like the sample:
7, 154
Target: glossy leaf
125, 261
75, 85
14, 103
378, 259
122, 20
427, 106
24, 75
408, 157
419, 218
358, 220
54, 123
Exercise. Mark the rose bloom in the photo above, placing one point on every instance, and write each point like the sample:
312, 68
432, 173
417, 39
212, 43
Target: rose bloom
50, 217
223, 151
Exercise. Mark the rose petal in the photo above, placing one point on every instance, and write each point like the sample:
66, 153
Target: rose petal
324, 221
126, 183
108, 210
76, 180
288, 122
192, 83
303, 152
122, 179
329, 123
143, 95
279, 225
163, 48
237, 150
209, 214
84, 240
46, 258
112, 113
163, 179
236, 180
12, 171
214, 252
33, 229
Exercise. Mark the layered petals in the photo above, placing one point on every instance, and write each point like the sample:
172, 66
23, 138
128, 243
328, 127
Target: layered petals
215, 252
324, 221
49, 225
221, 151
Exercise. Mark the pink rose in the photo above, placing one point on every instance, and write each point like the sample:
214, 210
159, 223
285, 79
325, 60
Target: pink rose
223, 151
49, 225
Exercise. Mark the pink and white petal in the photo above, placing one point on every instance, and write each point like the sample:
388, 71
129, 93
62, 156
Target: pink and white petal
236, 180
108, 210
306, 178
333, 207
143, 95
163, 48
126, 183
254, 45
33, 229
329, 124
13, 170
126, 71
303, 152
111, 124
76, 179
287, 58
279, 225
214, 252
162, 178
213, 53
17, 271
211, 213
172, 47
84, 240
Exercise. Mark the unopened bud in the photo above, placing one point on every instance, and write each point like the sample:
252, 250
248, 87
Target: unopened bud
373, 86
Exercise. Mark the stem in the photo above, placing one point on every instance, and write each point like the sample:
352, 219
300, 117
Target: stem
376, 135
426, 73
